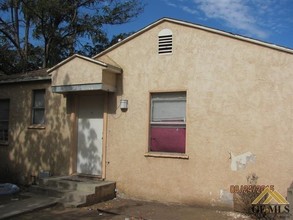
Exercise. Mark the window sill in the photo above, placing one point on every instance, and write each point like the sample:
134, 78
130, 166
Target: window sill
4, 144
37, 127
166, 155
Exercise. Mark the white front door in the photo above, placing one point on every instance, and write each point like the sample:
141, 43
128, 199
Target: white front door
90, 134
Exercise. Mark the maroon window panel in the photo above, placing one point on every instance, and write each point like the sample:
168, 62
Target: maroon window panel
167, 139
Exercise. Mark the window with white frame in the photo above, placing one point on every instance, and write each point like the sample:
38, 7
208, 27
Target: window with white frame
168, 122
38, 107
4, 120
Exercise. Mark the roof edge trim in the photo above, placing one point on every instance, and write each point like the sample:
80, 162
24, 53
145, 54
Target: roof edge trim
189, 24
45, 78
105, 65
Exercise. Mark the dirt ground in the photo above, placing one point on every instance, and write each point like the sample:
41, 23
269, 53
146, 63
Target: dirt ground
125, 209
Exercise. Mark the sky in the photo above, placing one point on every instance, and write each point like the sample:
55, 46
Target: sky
265, 20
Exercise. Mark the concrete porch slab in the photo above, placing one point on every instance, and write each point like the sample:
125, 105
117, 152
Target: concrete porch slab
76, 191
30, 203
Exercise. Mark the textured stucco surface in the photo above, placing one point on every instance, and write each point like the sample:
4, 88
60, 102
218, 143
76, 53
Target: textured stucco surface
77, 71
32, 149
239, 99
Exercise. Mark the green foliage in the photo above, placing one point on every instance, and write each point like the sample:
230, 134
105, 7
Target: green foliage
41, 33
89, 50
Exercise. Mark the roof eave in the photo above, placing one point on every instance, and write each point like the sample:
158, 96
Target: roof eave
25, 80
223, 33
104, 65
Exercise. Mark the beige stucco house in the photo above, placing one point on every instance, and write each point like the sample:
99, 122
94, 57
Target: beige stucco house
176, 112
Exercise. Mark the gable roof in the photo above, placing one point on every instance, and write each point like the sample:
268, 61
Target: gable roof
105, 65
200, 27
35, 75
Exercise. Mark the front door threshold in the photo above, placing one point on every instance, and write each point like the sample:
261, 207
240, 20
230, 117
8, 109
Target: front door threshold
86, 176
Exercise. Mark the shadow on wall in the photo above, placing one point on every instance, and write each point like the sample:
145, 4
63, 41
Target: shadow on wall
113, 97
35, 148
48, 148
88, 157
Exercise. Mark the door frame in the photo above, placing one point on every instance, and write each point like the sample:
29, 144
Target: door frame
74, 104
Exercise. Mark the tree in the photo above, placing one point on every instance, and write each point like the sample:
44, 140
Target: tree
55, 29
90, 50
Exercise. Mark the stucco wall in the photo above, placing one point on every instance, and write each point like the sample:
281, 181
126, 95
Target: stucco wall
31, 150
239, 99
77, 71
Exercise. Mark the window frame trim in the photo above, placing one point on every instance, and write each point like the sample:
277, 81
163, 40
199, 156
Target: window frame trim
32, 124
6, 142
162, 154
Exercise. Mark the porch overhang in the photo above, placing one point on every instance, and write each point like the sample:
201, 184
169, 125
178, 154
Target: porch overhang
86, 87
78, 73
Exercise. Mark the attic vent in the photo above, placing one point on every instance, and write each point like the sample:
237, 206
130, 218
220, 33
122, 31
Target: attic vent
165, 41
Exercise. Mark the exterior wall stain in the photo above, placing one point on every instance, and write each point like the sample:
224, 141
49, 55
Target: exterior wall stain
240, 162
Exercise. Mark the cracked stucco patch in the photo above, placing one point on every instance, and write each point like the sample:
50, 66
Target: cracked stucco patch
240, 162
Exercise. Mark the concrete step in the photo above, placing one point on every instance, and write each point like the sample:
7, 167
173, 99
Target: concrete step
75, 196
58, 183
71, 184
48, 191
78, 198
76, 192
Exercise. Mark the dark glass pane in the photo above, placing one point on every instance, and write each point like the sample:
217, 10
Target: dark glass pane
39, 98
4, 110
3, 132
39, 116
4, 125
